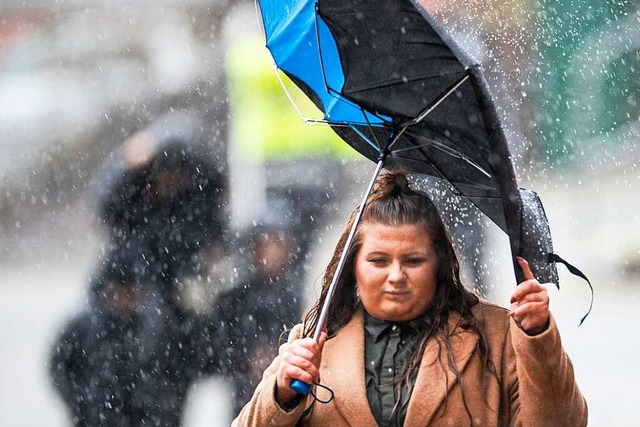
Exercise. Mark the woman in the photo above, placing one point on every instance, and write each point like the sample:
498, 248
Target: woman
409, 345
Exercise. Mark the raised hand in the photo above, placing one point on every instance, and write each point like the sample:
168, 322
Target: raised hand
530, 302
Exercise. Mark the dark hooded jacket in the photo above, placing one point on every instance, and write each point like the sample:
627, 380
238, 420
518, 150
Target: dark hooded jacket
170, 208
253, 318
130, 371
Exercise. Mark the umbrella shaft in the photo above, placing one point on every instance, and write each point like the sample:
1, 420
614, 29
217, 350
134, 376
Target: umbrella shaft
345, 251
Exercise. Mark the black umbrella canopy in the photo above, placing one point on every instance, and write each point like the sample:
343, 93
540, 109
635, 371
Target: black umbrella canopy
397, 60
398, 89
440, 120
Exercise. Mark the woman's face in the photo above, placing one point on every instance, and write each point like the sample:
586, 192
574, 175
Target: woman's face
396, 269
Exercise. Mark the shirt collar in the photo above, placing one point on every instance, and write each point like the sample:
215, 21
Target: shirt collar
378, 328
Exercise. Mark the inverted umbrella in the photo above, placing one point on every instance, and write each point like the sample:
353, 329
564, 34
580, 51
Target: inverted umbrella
395, 86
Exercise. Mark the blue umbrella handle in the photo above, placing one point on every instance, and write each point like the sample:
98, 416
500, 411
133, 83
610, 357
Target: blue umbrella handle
300, 387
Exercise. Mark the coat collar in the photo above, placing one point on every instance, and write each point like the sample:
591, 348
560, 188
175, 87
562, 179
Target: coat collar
346, 375
339, 373
434, 382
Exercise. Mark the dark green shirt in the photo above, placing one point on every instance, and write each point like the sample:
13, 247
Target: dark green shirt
388, 350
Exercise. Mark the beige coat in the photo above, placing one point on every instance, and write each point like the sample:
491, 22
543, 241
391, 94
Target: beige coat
537, 383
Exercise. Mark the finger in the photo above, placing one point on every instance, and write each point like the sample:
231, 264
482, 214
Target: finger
308, 343
530, 309
302, 352
292, 372
526, 270
322, 339
526, 287
531, 305
533, 325
315, 347
307, 366
283, 348
540, 295
298, 353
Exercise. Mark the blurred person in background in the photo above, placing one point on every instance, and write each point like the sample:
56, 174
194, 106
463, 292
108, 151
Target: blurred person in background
160, 201
130, 358
183, 331
162, 193
96, 362
265, 304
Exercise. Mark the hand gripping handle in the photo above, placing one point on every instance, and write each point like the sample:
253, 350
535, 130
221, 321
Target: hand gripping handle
300, 387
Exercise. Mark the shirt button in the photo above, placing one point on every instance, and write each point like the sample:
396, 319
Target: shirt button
394, 327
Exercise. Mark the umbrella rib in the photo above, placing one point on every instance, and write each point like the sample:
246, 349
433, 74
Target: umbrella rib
428, 110
442, 176
367, 140
307, 120
448, 150
430, 163
424, 114
449, 184
310, 120
375, 138
399, 82
320, 59
330, 90
295, 106
426, 159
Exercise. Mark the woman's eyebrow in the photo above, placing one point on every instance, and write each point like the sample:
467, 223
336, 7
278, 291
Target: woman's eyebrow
377, 252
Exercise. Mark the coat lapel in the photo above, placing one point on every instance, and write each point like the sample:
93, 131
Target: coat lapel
434, 383
343, 372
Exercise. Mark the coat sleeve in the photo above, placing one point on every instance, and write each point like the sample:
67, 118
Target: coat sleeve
66, 364
263, 409
542, 388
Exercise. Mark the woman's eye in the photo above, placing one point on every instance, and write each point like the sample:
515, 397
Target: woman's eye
378, 261
415, 261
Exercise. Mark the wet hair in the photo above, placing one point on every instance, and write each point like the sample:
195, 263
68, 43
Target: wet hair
393, 202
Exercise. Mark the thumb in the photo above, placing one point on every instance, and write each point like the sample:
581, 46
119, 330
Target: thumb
526, 270
322, 339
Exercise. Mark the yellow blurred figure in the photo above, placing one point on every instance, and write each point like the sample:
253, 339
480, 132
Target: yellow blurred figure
264, 124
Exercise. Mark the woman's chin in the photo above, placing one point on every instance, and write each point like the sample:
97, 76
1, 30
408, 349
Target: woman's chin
395, 313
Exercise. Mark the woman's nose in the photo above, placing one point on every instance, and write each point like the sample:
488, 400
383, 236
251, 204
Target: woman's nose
396, 272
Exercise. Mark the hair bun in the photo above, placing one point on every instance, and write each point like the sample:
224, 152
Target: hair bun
392, 182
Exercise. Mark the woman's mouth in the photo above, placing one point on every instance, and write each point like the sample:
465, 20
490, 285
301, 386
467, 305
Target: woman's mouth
397, 292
